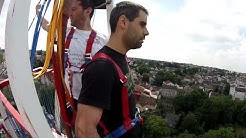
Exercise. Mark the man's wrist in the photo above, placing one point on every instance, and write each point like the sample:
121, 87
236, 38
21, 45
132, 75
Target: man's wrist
146, 91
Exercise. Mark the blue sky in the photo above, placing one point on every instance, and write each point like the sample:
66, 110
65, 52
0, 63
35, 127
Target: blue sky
171, 5
202, 32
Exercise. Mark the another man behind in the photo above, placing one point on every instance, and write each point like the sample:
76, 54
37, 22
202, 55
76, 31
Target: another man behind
80, 17
80, 13
100, 98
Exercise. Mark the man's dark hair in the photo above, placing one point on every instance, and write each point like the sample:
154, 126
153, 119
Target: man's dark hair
86, 4
129, 9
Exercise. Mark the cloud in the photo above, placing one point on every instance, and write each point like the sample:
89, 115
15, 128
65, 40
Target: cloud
202, 32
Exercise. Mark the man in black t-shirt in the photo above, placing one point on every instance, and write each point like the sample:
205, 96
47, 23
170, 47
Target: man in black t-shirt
100, 98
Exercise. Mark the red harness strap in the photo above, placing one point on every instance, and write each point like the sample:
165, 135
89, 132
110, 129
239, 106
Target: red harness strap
69, 38
67, 44
90, 43
60, 93
124, 94
87, 55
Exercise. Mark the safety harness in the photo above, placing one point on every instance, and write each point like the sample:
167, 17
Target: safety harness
87, 55
68, 110
128, 123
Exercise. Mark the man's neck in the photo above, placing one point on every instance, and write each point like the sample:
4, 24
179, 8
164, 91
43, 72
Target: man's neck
84, 26
116, 43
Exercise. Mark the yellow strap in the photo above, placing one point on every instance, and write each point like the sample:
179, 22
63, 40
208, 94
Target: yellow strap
55, 29
50, 39
69, 96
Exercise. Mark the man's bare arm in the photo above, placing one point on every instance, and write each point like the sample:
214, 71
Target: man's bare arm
66, 12
44, 23
86, 121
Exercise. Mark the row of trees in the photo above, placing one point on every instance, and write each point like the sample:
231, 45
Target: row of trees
155, 127
176, 77
160, 76
166, 75
200, 117
211, 112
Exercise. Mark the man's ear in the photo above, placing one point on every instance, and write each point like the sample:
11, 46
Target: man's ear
89, 10
123, 21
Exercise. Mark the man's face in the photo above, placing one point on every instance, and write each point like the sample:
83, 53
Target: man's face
77, 13
137, 31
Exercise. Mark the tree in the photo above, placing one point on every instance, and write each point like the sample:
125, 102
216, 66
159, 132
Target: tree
190, 71
145, 77
239, 114
240, 132
46, 94
159, 78
39, 52
186, 134
155, 126
38, 63
1, 57
153, 63
216, 111
227, 88
161, 109
191, 124
179, 72
189, 102
8, 94
164, 76
221, 133
143, 69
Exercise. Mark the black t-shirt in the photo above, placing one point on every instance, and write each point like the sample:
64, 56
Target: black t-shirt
102, 88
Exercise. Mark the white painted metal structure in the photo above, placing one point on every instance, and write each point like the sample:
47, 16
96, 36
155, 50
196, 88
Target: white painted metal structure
19, 69
1, 5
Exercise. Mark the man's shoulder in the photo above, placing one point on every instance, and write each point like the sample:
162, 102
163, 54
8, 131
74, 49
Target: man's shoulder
100, 66
102, 37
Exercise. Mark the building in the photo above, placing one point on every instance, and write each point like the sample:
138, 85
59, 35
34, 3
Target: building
238, 93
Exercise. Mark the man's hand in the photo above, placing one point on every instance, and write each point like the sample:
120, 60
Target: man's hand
38, 7
147, 91
44, 23
139, 88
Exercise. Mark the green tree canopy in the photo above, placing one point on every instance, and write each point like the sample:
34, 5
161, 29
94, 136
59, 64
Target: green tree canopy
145, 77
220, 133
190, 71
1, 57
186, 134
216, 111
191, 124
143, 68
159, 78
189, 102
227, 88
166, 75
240, 112
155, 127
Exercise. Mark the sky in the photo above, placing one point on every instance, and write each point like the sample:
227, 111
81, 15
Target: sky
201, 32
